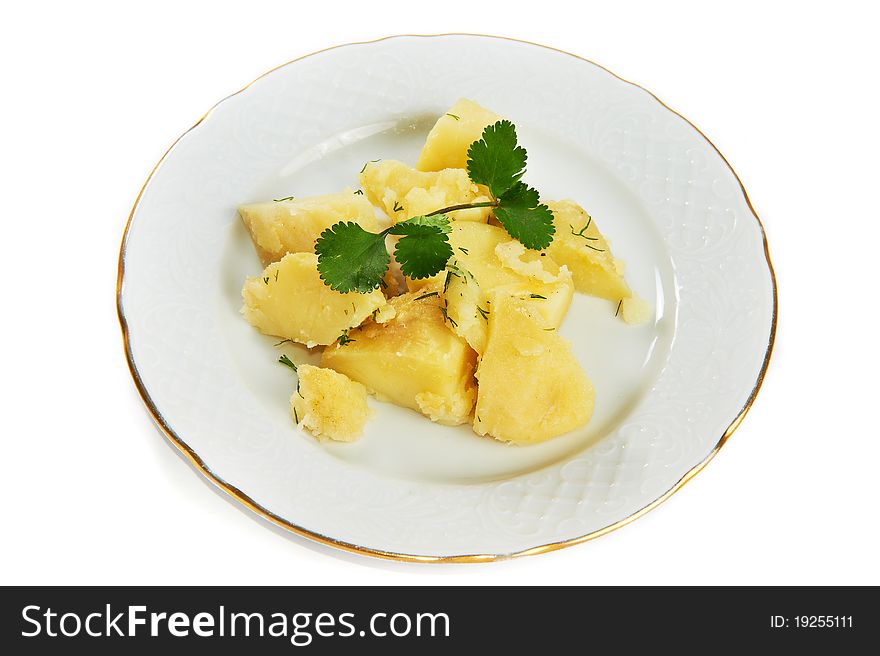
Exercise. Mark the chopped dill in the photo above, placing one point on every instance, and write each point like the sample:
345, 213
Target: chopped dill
457, 118
618, 307
580, 233
281, 200
287, 362
428, 295
344, 339
446, 317
451, 270
449, 275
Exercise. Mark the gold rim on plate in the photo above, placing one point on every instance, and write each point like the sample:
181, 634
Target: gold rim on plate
243, 498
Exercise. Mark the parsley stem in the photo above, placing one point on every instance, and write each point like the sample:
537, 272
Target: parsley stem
464, 206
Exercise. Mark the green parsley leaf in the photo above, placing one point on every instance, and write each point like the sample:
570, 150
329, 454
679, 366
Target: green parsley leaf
350, 258
424, 254
344, 339
495, 160
417, 224
525, 218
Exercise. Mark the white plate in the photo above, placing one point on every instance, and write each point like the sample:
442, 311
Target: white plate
667, 394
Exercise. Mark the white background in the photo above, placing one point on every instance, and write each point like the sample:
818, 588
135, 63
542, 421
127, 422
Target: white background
94, 93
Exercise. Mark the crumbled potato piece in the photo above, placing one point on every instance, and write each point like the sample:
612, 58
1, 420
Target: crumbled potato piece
580, 246
292, 226
290, 300
328, 404
413, 360
531, 387
402, 192
448, 141
635, 310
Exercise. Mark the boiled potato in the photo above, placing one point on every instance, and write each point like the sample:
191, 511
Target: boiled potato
290, 300
448, 141
292, 226
329, 404
413, 360
402, 192
531, 387
635, 310
485, 259
546, 284
580, 246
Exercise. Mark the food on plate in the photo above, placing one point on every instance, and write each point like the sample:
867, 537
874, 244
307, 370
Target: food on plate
635, 310
446, 146
484, 259
329, 404
402, 192
290, 300
291, 225
530, 386
580, 246
413, 359
440, 289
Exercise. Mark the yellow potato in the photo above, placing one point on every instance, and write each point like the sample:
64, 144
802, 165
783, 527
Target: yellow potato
580, 246
635, 310
448, 141
328, 404
402, 192
531, 387
413, 360
292, 226
290, 300
486, 259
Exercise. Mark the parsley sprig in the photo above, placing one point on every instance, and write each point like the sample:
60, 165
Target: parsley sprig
350, 259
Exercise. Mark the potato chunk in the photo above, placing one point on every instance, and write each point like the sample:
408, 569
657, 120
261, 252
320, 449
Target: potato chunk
402, 192
328, 404
448, 141
290, 300
635, 310
486, 259
413, 360
292, 226
580, 246
531, 387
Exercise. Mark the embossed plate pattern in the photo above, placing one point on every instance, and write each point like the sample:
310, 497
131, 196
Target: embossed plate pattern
668, 394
